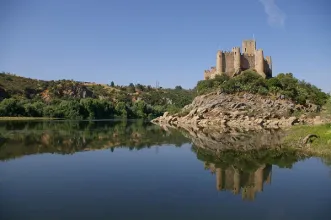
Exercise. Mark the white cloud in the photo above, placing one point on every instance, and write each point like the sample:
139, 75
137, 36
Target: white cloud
276, 17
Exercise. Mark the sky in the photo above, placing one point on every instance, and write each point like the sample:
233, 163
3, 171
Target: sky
167, 41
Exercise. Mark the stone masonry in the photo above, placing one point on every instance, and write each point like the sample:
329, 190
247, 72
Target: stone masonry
233, 62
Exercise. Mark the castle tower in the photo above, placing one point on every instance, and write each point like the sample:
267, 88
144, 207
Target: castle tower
219, 62
236, 59
269, 69
249, 47
219, 179
259, 62
236, 181
258, 179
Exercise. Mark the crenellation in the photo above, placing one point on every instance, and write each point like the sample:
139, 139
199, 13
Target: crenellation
247, 55
235, 61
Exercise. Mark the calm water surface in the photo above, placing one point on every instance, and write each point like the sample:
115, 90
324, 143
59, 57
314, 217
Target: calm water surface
135, 170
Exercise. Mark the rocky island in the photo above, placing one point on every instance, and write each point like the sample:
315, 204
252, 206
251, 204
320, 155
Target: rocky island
246, 111
240, 92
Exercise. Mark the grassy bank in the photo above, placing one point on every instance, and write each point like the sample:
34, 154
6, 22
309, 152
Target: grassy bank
320, 146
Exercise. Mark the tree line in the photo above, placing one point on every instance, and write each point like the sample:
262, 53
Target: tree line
87, 108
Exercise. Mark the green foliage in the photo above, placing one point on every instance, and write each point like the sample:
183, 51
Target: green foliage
11, 107
171, 100
283, 85
274, 82
77, 100
173, 109
327, 111
88, 108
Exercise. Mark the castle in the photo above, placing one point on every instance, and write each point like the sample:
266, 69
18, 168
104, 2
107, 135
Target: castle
233, 62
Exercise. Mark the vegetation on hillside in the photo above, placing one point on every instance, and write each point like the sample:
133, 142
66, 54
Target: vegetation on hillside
25, 97
283, 85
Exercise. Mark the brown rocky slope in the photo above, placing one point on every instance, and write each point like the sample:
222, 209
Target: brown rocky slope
246, 111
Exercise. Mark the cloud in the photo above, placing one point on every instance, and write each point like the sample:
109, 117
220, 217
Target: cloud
276, 17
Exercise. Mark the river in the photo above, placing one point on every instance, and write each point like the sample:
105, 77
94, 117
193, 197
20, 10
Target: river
137, 170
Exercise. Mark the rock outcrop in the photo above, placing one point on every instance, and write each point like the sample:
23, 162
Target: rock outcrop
243, 111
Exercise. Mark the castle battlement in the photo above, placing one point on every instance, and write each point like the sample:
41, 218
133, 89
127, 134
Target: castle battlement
234, 61
248, 55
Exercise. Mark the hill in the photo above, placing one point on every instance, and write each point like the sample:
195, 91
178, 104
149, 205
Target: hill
86, 100
250, 101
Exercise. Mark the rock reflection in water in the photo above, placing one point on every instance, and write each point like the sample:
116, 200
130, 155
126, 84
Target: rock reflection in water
232, 138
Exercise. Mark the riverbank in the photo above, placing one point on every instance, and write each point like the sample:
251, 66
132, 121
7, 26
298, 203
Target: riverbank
312, 139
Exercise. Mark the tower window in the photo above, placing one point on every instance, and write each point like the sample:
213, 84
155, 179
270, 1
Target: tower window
245, 49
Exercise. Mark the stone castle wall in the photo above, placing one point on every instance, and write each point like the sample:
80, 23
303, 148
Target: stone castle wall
228, 62
247, 61
210, 73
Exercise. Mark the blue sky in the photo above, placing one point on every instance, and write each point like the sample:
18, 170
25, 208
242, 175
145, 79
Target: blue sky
171, 41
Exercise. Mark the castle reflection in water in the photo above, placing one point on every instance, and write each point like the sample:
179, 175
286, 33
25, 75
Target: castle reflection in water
246, 183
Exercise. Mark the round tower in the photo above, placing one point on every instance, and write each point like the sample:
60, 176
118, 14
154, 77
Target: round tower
268, 68
236, 63
259, 62
219, 62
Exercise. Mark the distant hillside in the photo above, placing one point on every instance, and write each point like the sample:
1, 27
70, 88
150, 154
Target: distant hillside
13, 86
73, 94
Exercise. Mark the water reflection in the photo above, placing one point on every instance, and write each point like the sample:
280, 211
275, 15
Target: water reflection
244, 173
19, 139
237, 181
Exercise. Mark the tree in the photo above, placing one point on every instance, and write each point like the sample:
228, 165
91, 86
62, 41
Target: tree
112, 84
140, 87
11, 107
131, 88
121, 110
